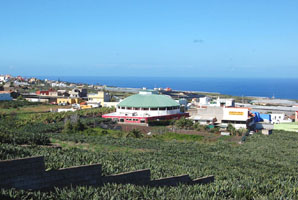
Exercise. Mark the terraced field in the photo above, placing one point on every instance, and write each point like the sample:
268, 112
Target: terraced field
261, 168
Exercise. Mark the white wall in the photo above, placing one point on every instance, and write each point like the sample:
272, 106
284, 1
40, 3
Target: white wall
277, 118
237, 114
148, 113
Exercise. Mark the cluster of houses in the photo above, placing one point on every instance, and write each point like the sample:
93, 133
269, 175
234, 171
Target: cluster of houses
153, 105
78, 97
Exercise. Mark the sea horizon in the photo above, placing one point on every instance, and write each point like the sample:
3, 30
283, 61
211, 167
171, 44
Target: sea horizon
283, 88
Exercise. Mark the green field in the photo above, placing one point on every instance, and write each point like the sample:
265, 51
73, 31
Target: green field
287, 126
263, 167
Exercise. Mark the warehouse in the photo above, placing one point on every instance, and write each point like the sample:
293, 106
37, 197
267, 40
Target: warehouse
237, 116
146, 106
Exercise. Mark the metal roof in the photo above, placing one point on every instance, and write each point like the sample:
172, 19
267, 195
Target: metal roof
148, 101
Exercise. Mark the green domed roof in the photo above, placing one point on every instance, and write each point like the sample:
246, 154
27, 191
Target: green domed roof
148, 101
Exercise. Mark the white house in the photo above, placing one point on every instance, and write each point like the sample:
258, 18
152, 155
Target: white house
279, 118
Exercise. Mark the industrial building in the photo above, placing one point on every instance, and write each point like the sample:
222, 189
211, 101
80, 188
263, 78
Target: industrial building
223, 116
146, 106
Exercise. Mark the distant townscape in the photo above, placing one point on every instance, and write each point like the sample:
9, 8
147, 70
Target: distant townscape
61, 139
143, 106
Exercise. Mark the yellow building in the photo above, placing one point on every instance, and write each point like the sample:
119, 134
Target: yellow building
100, 97
68, 101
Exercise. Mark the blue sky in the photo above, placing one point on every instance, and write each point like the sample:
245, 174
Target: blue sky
149, 38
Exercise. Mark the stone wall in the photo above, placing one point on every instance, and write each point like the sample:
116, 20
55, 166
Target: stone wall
29, 173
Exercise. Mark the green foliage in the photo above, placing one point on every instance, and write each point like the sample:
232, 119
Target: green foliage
264, 167
241, 131
136, 133
231, 129
179, 137
198, 127
214, 130
16, 104
79, 126
24, 138
183, 123
20, 98
68, 128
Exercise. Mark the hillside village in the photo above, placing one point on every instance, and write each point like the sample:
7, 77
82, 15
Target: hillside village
80, 137
139, 106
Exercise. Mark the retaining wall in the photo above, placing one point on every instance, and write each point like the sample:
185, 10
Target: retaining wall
29, 173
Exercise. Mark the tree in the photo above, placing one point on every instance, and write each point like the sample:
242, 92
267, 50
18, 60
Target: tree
184, 123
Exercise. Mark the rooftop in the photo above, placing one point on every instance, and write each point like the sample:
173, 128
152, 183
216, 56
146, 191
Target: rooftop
148, 100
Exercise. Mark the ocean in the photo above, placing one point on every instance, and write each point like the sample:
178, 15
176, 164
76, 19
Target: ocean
260, 87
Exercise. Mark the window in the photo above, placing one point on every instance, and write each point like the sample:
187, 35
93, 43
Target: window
142, 121
153, 109
162, 108
128, 108
121, 120
145, 108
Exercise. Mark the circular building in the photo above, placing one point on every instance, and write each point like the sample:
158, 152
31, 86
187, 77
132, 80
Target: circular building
146, 106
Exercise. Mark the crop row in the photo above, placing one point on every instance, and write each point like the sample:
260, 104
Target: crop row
262, 168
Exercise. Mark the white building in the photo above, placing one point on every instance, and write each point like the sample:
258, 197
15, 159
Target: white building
207, 101
61, 85
2, 79
146, 106
279, 118
235, 116
222, 115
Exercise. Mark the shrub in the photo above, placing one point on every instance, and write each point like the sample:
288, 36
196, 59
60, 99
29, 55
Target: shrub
136, 133
231, 129
241, 131
184, 123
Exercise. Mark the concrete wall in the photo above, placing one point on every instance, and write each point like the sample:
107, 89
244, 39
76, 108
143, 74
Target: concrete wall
261, 125
29, 173
235, 114
209, 113
140, 177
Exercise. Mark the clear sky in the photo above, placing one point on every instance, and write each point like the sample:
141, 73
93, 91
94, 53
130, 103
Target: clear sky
214, 38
